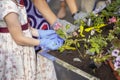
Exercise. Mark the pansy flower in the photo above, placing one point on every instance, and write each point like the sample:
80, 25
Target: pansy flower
115, 52
117, 63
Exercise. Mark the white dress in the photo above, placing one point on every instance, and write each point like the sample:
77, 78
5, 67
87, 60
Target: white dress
19, 62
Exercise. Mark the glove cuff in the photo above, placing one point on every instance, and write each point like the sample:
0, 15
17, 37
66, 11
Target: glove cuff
56, 25
42, 44
75, 14
39, 36
81, 16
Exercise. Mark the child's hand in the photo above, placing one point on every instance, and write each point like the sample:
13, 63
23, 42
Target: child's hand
51, 43
34, 32
45, 33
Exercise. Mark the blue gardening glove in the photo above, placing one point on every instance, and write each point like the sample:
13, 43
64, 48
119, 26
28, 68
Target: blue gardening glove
65, 26
45, 33
80, 15
51, 43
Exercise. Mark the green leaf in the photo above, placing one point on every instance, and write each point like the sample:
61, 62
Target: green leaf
67, 26
78, 45
92, 50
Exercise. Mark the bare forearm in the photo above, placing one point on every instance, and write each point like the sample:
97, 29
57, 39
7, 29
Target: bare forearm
63, 4
16, 32
27, 41
44, 9
72, 6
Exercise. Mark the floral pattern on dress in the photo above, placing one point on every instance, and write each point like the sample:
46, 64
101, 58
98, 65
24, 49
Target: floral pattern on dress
20, 62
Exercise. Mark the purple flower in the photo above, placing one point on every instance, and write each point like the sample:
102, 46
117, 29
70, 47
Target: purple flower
115, 52
117, 65
117, 62
117, 59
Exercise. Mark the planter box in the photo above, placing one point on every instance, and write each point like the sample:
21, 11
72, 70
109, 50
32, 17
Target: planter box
65, 71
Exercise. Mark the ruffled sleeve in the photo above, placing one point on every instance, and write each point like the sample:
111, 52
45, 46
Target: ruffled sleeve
6, 7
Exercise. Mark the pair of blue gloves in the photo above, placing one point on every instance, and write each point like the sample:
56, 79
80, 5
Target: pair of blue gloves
49, 40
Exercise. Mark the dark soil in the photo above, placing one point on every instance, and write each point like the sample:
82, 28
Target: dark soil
103, 72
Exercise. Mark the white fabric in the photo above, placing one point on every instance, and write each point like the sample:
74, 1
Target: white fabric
19, 62
16, 62
8, 6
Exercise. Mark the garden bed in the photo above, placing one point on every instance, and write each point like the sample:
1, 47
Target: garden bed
97, 42
104, 72
79, 59
84, 62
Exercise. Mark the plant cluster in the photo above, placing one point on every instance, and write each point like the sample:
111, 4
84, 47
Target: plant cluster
101, 38
115, 52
